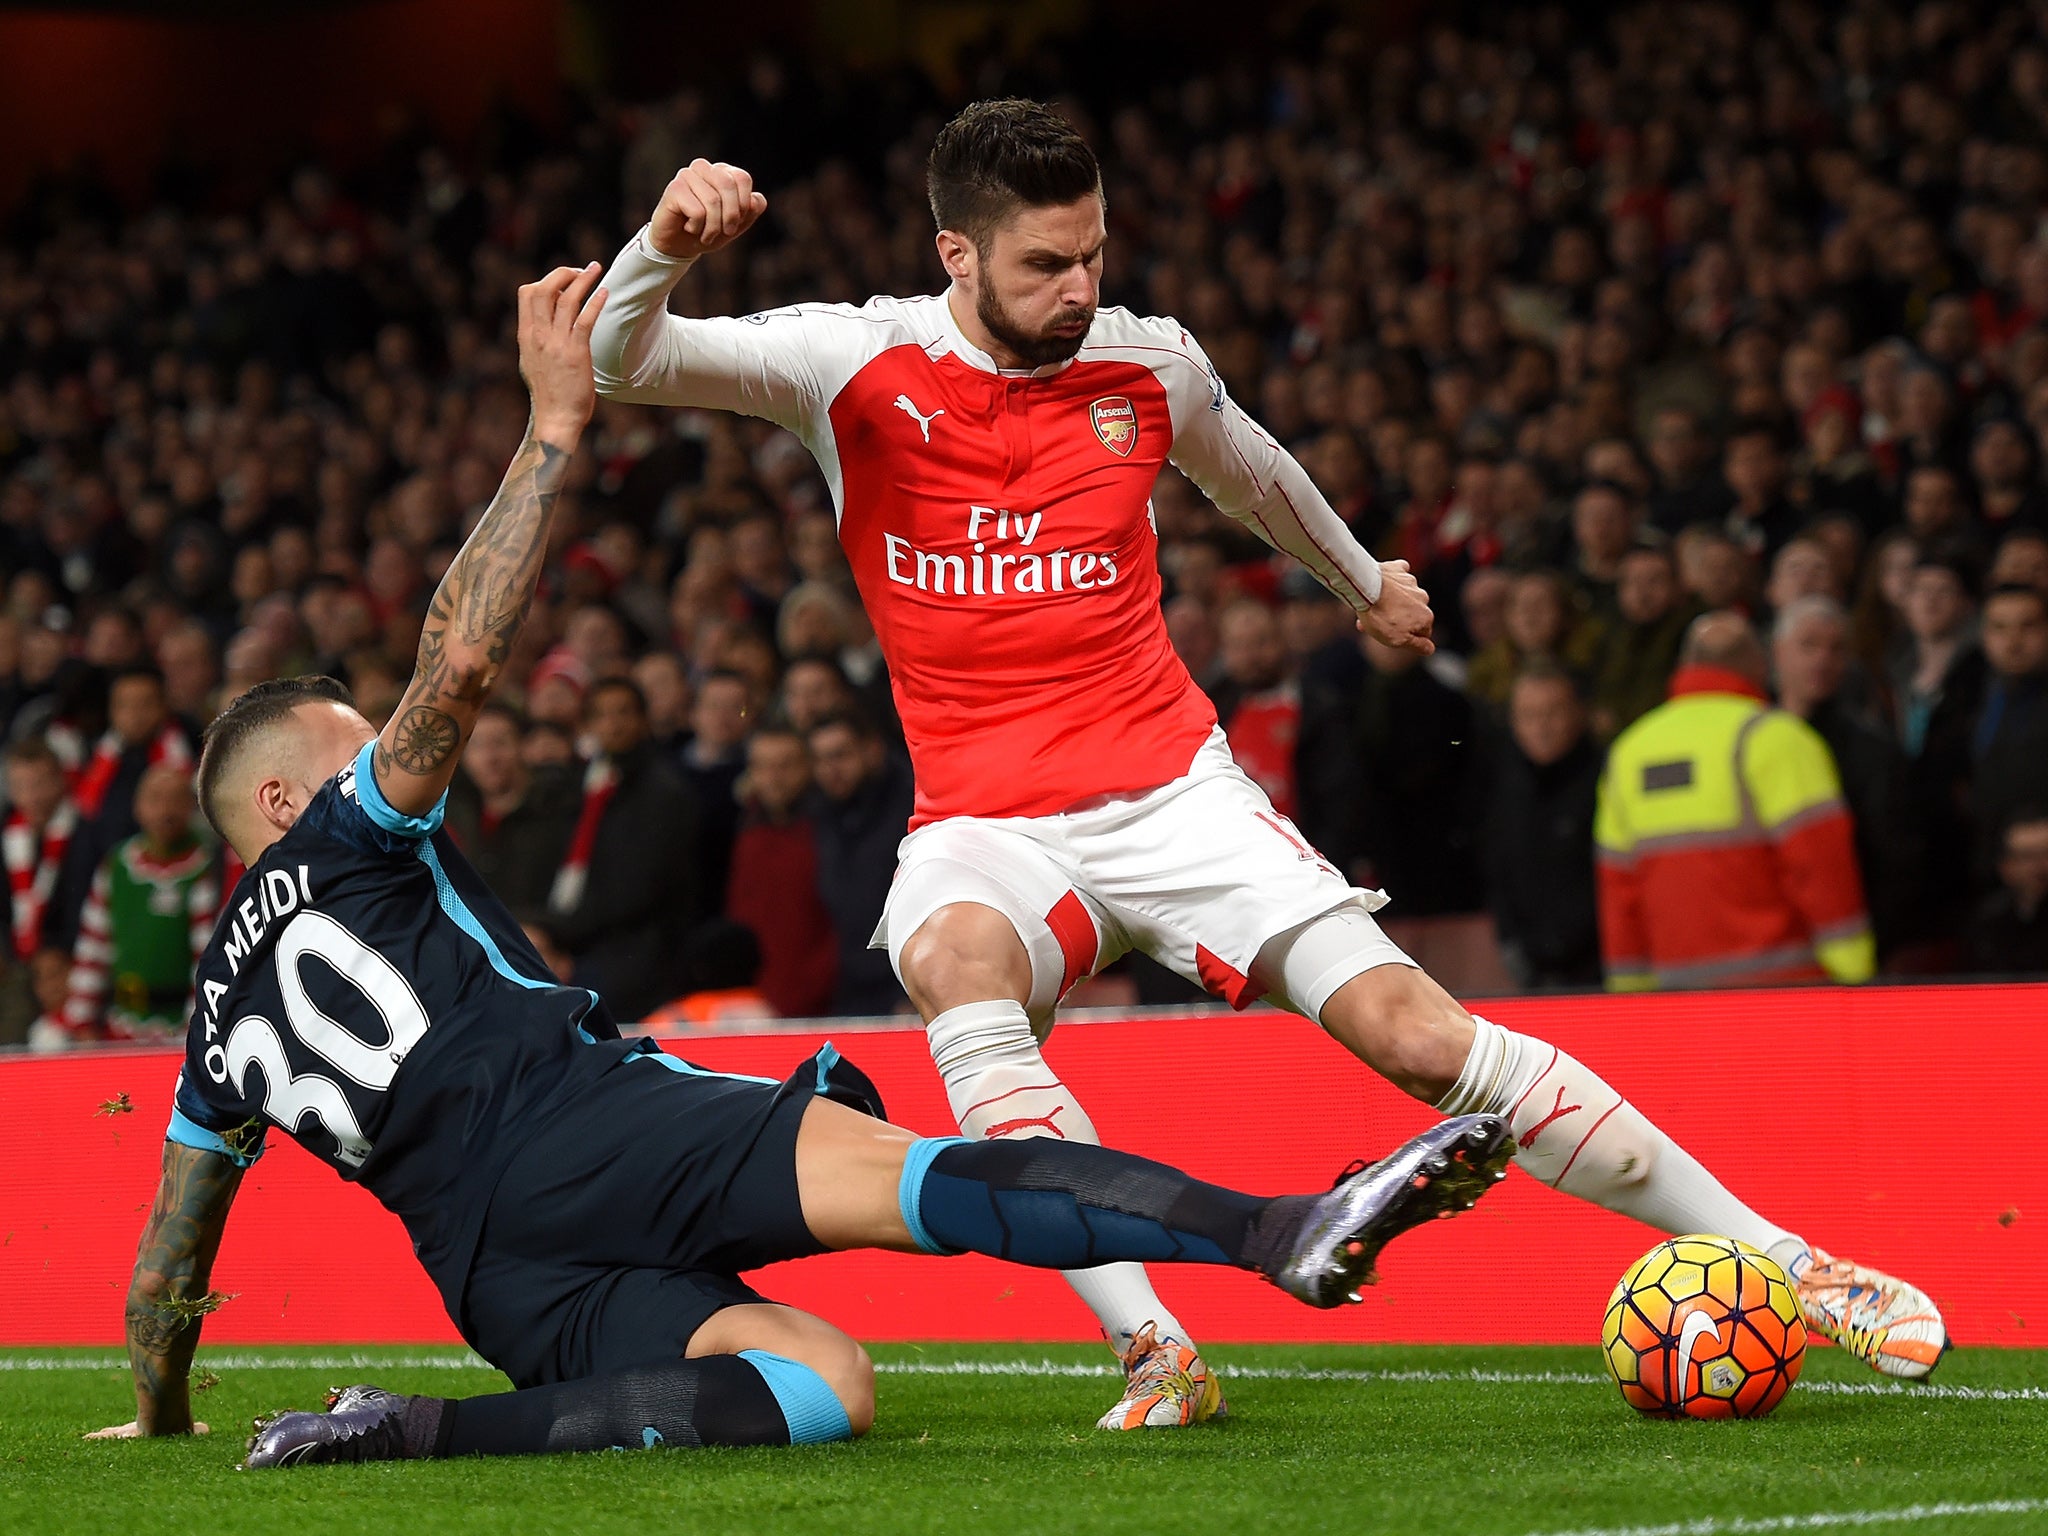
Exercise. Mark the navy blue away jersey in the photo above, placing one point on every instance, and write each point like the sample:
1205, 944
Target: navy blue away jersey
367, 994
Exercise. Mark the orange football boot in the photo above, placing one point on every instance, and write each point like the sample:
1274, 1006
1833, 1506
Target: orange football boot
1890, 1326
1168, 1386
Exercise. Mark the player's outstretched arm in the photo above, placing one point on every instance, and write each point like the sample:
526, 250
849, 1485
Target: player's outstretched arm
1260, 484
169, 1295
478, 609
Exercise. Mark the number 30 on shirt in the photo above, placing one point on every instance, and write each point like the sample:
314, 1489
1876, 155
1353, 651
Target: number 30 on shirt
255, 1041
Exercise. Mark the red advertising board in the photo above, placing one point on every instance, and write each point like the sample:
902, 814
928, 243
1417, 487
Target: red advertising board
1893, 1124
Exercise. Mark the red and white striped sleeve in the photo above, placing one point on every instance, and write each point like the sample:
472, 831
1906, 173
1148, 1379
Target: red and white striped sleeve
92, 957
1251, 478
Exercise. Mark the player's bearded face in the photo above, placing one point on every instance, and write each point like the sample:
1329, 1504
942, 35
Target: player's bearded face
1040, 280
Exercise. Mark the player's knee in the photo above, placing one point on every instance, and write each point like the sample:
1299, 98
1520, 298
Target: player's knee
963, 953
1405, 1026
851, 1376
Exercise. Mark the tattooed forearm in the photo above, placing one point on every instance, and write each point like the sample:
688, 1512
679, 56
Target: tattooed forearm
472, 621
169, 1296
482, 601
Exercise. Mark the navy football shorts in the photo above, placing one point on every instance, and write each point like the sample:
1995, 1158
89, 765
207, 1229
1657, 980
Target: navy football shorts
622, 1224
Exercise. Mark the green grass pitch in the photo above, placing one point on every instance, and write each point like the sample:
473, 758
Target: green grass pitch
1436, 1441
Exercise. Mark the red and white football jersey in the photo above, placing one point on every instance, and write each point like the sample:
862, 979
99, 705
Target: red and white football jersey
998, 521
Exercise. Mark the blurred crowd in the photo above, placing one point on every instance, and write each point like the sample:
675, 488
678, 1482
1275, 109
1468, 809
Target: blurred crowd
1601, 327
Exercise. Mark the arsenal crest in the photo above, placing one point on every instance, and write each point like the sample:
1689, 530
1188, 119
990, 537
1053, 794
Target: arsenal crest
1116, 423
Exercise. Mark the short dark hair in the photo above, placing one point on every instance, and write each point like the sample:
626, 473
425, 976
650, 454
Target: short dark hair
2030, 814
1954, 559
997, 156
857, 721
1607, 487
1756, 426
34, 749
2018, 589
1654, 544
624, 685
235, 727
1541, 669
504, 709
831, 664
141, 669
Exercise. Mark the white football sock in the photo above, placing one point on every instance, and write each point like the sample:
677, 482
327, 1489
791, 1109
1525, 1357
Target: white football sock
1000, 1087
1577, 1134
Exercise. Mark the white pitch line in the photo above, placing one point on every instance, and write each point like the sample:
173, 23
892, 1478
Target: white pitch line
233, 1362
1043, 1368
1477, 1377
1748, 1525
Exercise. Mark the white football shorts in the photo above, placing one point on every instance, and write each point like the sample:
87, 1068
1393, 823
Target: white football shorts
1202, 874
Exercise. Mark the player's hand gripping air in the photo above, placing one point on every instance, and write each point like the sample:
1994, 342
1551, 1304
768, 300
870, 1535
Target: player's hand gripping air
706, 206
482, 600
1401, 617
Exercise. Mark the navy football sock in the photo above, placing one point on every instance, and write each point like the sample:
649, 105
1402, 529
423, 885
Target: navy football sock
1064, 1205
753, 1398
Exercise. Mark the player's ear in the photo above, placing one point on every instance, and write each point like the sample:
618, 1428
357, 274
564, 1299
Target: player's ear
276, 802
958, 256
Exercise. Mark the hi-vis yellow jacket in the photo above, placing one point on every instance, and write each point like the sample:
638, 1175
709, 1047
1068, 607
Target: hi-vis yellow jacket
1726, 856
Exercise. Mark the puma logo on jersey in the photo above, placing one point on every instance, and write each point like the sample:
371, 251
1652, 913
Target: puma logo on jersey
1010, 1127
924, 423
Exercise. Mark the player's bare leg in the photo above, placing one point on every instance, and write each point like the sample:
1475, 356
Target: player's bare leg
1577, 1134
969, 977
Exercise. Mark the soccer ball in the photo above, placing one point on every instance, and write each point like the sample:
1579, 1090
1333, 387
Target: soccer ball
1704, 1328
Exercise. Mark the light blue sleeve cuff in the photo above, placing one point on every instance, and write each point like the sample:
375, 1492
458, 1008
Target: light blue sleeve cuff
370, 796
810, 1408
187, 1132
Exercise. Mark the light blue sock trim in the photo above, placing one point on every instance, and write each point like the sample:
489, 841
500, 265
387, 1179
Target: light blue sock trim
910, 1188
811, 1409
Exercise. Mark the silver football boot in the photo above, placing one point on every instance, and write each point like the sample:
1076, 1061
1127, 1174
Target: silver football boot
1439, 1173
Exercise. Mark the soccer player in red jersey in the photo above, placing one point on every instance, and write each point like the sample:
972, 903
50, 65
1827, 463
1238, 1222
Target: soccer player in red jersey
991, 452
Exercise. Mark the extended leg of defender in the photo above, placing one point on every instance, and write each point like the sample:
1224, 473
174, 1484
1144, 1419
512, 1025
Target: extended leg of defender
1036, 1201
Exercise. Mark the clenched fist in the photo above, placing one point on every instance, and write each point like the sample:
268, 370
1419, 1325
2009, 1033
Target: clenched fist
705, 207
1401, 618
